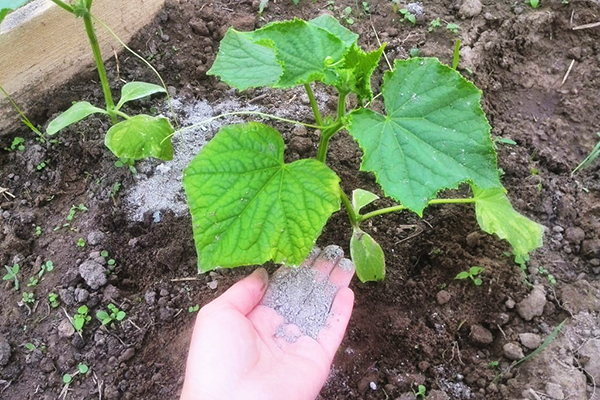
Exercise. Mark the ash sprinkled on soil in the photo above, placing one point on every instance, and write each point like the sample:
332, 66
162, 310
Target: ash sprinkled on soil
303, 297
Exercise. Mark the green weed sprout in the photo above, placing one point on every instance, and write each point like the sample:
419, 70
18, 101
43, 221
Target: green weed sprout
435, 23
82, 369
544, 272
28, 298
193, 308
113, 314
29, 346
590, 158
74, 209
473, 274
81, 318
46, 267
12, 274
110, 261
133, 138
453, 27
18, 143
534, 3
408, 16
346, 16
53, 300
421, 392
81, 242
249, 206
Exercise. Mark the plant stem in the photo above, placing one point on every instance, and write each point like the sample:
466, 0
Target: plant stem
354, 218
313, 104
122, 114
326, 134
64, 6
162, 82
89, 29
392, 209
456, 55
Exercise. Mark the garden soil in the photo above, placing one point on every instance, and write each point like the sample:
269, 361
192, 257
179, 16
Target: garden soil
541, 88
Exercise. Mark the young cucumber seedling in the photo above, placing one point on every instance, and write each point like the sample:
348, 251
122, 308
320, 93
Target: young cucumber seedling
248, 206
134, 138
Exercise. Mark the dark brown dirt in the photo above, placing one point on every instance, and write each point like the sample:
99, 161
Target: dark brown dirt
400, 335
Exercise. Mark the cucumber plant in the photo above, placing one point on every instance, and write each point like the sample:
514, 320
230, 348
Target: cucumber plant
133, 138
248, 206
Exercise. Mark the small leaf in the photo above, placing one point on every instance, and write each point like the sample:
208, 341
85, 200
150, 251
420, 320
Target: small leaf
462, 275
67, 378
82, 368
75, 113
354, 74
367, 256
476, 270
477, 281
137, 90
249, 207
103, 316
121, 316
361, 198
496, 215
141, 136
434, 136
332, 25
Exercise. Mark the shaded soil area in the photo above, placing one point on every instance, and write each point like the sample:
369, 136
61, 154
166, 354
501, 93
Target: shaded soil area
419, 326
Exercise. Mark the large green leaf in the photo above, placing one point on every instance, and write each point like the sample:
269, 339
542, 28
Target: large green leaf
281, 54
367, 256
137, 90
434, 135
6, 6
242, 63
75, 113
496, 215
141, 136
248, 206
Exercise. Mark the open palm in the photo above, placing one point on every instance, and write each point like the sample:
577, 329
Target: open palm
236, 354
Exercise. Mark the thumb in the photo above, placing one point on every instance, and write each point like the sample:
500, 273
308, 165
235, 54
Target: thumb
245, 294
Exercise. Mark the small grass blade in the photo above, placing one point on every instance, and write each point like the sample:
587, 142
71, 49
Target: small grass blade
589, 159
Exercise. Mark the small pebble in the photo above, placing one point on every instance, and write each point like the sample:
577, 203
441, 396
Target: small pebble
213, 284
513, 351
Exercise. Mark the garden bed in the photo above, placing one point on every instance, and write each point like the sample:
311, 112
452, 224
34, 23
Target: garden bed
419, 326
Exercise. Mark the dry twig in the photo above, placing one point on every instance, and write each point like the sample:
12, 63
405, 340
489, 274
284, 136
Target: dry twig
568, 72
586, 26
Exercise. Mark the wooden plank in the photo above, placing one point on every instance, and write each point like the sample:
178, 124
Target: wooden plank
46, 51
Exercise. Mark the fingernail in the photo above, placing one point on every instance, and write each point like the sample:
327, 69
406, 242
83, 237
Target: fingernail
263, 275
346, 265
316, 250
331, 253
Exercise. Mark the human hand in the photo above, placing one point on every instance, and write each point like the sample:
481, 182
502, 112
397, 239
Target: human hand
244, 349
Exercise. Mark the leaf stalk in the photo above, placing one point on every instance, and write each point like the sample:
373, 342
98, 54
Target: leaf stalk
387, 210
328, 133
313, 104
352, 215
